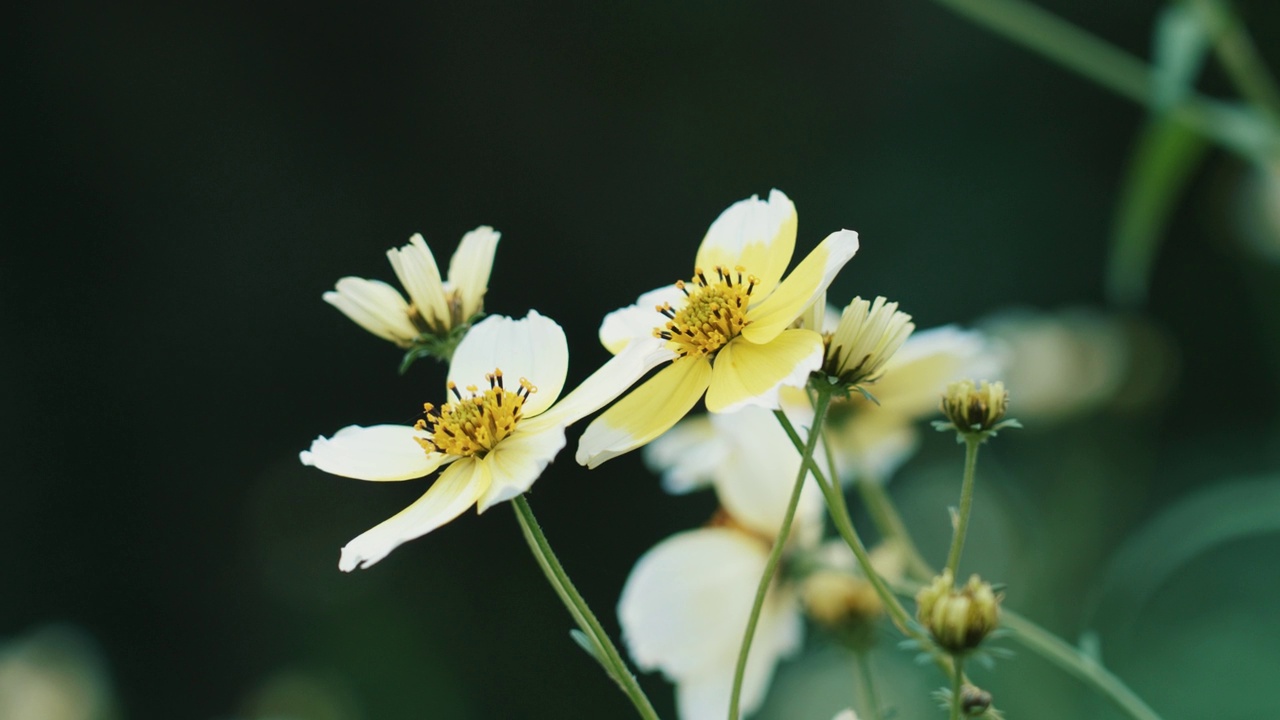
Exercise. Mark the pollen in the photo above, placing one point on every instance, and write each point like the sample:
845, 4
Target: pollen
474, 423
714, 312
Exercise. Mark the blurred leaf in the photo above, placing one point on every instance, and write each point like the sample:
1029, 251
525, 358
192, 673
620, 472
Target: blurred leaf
1181, 44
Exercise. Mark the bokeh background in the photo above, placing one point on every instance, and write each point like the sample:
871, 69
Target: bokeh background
182, 182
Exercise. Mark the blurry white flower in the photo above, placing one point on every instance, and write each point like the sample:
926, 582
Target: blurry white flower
54, 673
846, 714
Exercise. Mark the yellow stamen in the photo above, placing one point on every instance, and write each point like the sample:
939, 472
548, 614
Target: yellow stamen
476, 423
714, 313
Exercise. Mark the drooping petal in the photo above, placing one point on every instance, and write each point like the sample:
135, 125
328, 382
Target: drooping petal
750, 374
374, 306
470, 266
803, 286
647, 412
611, 380
687, 455
457, 489
638, 321
917, 375
380, 452
518, 460
759, 235
416, 268
533, 347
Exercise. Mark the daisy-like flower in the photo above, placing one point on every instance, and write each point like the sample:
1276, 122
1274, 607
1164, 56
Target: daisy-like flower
493, 437
728, 332
868, 334
435, 307
685, 605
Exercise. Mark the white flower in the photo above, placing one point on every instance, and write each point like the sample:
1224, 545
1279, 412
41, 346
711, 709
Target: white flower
493, 438
685, 605
435, 306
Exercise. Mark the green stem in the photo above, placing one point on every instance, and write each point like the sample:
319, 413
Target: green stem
1073, 661
606, 653
957, 681
866, 685
1240, 57
971, 441
775, 554
890, 525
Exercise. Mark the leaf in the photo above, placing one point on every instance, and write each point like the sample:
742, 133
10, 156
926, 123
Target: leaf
1180, 45
586, 643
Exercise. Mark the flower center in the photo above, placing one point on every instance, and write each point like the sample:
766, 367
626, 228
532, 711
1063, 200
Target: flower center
475, 424
714, 313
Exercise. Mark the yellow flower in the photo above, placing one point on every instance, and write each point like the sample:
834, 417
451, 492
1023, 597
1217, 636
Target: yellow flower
437, 306
728, 332
493, 439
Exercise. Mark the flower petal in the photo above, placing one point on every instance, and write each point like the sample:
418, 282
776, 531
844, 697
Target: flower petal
749, 374
533, 347
518, 460
638, 321
457, 489
416, 267
381, 452
807, 282
611, 380
374, 306
470, 266
647, 412
687, 455
872, 445
759, 235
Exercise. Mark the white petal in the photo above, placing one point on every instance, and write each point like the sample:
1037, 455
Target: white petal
638, 321
759, 235
470, 266
518, 460
533, 347
612, 379
374, 306
873, 444
687, 455
846, 714
457, 489
416, 267
381, 452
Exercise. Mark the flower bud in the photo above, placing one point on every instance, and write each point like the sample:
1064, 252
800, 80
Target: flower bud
958, 620
868, 335
840, 600
975, 408
974, 701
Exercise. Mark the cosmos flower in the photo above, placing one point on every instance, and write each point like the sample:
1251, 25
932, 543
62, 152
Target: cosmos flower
493, 437
728, 332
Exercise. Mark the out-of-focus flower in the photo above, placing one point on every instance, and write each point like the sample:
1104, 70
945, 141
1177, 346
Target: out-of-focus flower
436, 307
958, 619
728, 332
846, 714
492, 443
54, 673
867, 336
685, 606
975, 409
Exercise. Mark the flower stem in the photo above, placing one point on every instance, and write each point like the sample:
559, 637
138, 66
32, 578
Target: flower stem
775, 554
957, 681
972, 441
605, 652
890, 525
866, 684
1240, 57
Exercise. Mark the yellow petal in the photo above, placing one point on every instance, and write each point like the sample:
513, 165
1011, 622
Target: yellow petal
750, 374
457, 489
610, 380
759, 235
646, 413
802, 287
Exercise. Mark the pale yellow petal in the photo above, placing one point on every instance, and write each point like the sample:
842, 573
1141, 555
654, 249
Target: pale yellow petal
416, 267
917, 375
374, 306
457, 489
759, 235
750, 374
380, 453
470, 266
647, 412
610, 380
638, 321
519, 460
804, 285
533, 347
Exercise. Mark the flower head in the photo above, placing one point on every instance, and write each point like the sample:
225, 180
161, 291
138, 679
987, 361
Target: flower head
958, 619
868, 335
436, 307
976, 410
727, 332
493, 437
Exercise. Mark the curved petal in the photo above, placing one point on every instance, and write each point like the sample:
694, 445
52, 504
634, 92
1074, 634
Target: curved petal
687, 455
806, 283
457, 489
759, 235
749, 374
917, 375
416, 267
611, 380
533, 347
518, 460
470, 266
381, 452
374, 306
638, 321
647, 412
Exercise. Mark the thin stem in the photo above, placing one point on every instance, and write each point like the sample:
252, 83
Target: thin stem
606, 653
890, 525
775, 554
971, 441
957, 681
866, 685
1240, 57
1073, 661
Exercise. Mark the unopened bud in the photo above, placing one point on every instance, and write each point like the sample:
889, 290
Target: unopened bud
975, 408
959, 619
974, 701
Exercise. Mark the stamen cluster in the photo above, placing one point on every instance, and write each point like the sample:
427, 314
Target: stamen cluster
473, 425
714, 313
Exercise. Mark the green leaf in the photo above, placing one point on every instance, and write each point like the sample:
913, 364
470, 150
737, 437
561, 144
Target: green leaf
586, 643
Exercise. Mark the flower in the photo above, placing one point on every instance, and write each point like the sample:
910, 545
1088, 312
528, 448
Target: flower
492, 443
436, 307
728, 332
958, 619
975, 409
866, 337
685, 605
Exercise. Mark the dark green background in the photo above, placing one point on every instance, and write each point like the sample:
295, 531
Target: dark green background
183, 182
